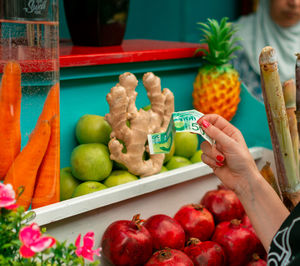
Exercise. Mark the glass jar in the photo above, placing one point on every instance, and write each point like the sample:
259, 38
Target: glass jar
29, 100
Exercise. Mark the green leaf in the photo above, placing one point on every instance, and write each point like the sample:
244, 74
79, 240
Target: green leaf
203, 25
5, 246
223, 22
29, 216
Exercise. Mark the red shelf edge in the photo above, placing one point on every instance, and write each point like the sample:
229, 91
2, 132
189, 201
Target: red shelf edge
129, 52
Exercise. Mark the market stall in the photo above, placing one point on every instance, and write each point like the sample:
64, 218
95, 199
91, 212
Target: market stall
47, 92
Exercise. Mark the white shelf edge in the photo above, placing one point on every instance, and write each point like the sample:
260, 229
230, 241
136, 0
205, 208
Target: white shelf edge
79, 205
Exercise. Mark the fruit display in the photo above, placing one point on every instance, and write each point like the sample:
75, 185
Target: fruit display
237, 241
90, 161
177, 161
161, 227
118, 177
87, 187
259, 249
223, 204
205, 253
217, 84
92, 129
68, 183
113, 149
196, 157
196, 221
256, 261
129, 236
186, 144
194, 236
168, 257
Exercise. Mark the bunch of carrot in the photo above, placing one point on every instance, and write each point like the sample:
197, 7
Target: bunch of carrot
35, 168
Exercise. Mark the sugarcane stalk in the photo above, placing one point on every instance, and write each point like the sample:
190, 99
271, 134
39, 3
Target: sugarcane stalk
289, 94
269, 176
287, 172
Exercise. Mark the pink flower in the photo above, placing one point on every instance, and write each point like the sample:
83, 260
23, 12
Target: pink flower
86, 250
7, 196
33, 241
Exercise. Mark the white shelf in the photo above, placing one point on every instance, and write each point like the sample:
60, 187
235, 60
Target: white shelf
69, 208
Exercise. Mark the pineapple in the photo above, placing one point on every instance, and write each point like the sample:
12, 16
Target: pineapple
217, 85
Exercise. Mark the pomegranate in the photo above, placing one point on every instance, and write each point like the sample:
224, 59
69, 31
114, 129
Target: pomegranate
166, 232
237, 241
259, 249
207, 253
223, 204
256, 261
196, 221
127, 242
246, 222
169, 257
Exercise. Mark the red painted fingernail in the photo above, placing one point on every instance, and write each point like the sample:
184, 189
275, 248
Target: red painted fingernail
220, 158
205, 123
219, 164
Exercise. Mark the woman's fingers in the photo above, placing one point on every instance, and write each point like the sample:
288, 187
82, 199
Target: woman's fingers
220, 122
211, 162
213, 152
224, 127
215, 133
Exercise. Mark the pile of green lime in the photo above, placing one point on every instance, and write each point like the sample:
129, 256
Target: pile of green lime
91, 168
184, 151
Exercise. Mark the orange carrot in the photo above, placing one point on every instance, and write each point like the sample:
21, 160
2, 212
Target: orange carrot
22, 172
51, 105
10, 110
47, 188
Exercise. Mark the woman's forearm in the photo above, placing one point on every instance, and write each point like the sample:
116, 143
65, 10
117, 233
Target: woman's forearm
263, 207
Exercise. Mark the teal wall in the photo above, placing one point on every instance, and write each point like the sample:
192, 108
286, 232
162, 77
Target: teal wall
171, 20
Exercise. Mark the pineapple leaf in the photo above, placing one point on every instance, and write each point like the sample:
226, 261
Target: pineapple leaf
215, 30
224, 33
223, 22
236, 48
201, 50
203, 25
220, 40
207, 34
236, 39
214, 26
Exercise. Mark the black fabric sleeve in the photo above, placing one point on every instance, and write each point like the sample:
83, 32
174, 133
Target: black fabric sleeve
285, 246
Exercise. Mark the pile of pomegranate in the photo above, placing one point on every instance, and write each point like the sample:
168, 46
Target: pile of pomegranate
214, 232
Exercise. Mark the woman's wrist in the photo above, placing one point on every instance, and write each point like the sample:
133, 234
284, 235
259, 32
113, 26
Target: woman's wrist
247, 184
263, 206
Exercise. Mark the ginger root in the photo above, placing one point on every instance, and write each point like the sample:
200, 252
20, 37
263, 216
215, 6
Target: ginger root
131, 126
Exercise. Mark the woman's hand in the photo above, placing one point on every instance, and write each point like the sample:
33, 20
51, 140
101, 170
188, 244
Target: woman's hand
229, 157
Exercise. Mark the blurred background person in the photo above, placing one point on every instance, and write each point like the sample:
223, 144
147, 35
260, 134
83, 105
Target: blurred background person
275, 23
